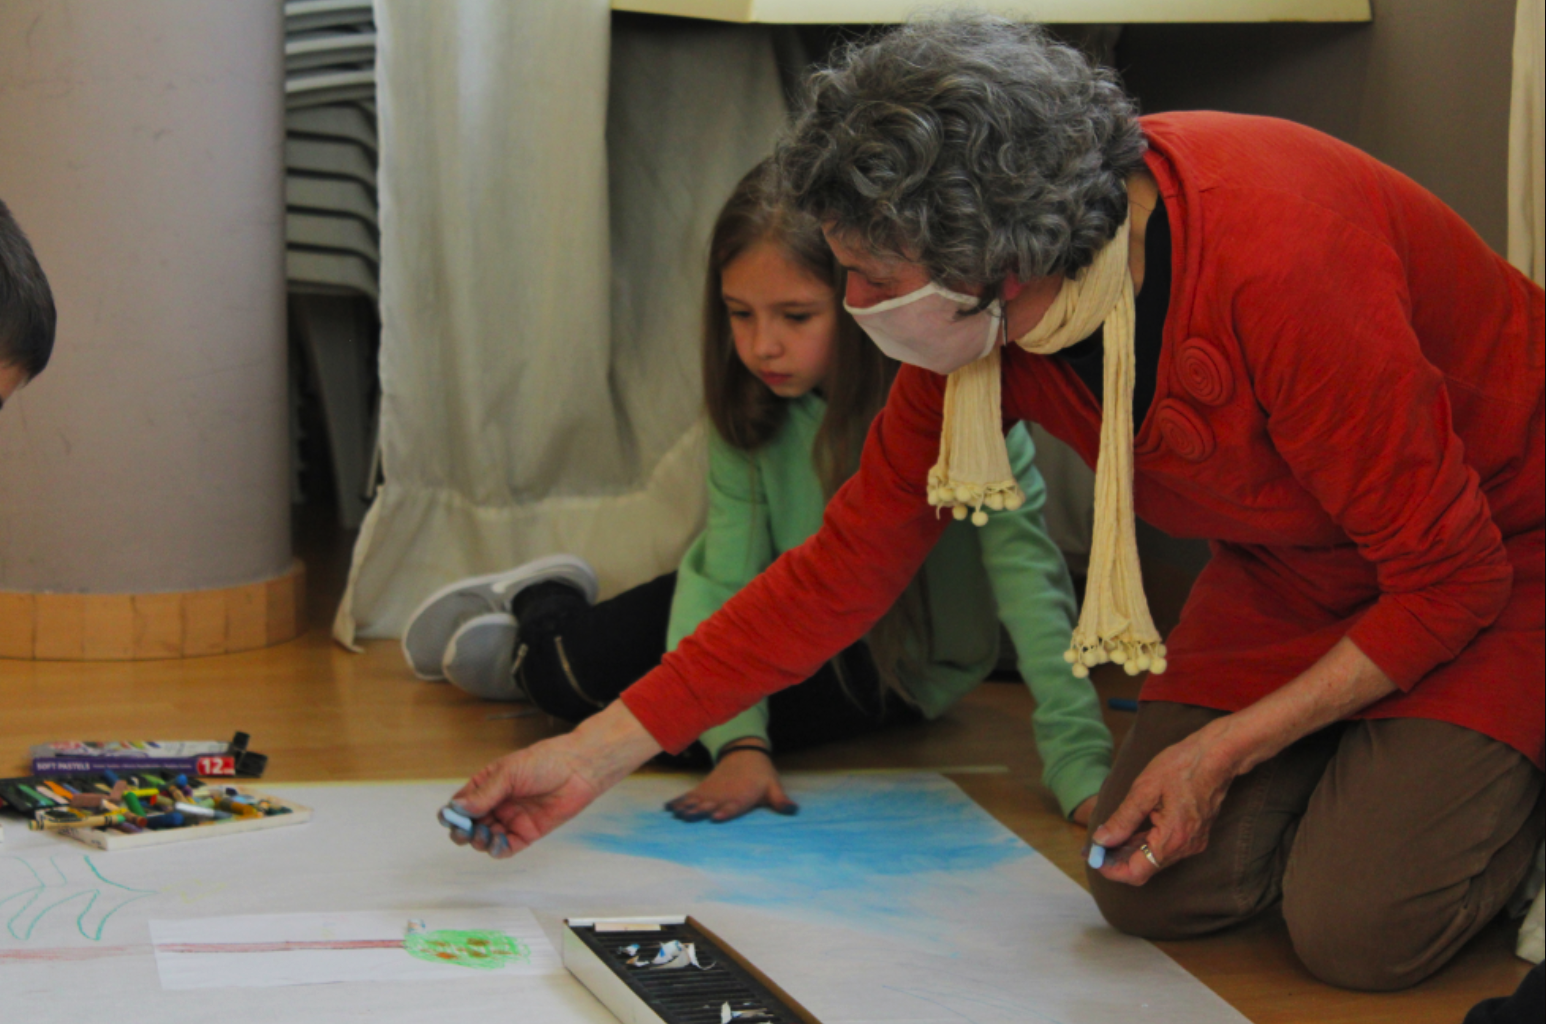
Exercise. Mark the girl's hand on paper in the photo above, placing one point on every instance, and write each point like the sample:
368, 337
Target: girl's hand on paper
523, 796
739, 783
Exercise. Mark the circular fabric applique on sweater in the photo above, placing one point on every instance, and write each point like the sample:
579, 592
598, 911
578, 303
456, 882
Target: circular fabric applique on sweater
1204, 372
1184, 430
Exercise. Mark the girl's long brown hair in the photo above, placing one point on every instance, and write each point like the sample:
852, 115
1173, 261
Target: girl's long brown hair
748, 414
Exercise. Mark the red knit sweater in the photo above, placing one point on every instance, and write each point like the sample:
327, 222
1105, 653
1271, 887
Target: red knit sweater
1349, 407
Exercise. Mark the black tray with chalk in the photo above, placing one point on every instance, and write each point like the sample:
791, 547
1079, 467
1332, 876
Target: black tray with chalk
672, 970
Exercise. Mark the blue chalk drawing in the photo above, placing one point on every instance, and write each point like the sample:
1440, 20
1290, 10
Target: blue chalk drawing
851, 848
103, 898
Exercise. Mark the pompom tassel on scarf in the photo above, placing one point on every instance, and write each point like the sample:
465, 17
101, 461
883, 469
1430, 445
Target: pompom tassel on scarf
973, 469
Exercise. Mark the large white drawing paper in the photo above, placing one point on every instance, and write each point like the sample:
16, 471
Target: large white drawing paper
253, 951
889, 898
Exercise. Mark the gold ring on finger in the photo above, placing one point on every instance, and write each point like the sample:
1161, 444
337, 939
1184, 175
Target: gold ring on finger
1144, 849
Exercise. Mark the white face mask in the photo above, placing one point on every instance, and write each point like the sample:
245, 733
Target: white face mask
925, 328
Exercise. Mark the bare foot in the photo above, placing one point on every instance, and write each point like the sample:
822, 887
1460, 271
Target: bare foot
739, 783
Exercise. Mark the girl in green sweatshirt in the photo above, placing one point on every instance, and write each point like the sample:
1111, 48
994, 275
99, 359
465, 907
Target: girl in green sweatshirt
791, 385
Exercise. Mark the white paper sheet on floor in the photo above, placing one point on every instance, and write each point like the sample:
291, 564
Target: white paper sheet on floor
547, 188
889, 898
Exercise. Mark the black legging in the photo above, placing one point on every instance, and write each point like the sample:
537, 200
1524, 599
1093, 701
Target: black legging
1525, 1006
594, 653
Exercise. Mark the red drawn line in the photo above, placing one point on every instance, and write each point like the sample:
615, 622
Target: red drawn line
65, 955
276, 947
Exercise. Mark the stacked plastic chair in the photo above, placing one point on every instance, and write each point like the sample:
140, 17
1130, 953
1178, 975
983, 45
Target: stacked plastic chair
333, 256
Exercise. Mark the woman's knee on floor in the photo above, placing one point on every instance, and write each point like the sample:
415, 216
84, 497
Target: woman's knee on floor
1171, 907
1360, 938
1129, 909
1413, 842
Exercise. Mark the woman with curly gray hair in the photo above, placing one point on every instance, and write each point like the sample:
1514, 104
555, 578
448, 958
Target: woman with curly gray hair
1332, 378
973, 149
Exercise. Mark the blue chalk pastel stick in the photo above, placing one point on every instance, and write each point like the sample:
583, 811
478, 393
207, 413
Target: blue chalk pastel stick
1122, 704
1097, 856
450, 817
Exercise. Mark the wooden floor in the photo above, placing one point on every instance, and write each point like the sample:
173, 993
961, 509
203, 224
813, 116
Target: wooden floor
320, 712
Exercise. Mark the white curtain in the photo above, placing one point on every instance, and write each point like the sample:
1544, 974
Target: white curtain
1526, 140
547, 186
1527, 251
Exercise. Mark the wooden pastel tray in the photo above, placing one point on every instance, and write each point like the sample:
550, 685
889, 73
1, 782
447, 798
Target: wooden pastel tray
107, 839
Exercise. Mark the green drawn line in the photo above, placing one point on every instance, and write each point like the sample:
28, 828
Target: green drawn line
93, 893
143, 893
10, 924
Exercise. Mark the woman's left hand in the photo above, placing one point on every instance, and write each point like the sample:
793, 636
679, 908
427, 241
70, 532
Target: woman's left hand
1170, 807
1172, 804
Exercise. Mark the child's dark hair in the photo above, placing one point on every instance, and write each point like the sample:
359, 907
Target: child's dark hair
747, 414
26, 303
744, 411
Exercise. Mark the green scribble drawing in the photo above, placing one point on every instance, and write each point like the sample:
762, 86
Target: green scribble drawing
480, 950
103, 898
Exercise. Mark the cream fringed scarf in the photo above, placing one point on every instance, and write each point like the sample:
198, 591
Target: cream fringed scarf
973, 468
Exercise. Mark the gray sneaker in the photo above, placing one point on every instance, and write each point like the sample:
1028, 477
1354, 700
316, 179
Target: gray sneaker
433, 624
481, 657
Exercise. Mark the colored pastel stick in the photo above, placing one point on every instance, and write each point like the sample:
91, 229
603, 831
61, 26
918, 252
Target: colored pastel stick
1122, 704
51, 824
202, 813
1097, 858
239, 809
39, 798
451, 818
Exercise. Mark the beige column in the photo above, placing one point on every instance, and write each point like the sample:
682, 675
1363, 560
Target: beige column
144, 477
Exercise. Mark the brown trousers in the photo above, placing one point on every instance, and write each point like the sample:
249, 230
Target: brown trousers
1389, 843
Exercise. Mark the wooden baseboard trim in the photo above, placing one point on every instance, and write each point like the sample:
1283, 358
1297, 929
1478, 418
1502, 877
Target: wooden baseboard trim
140, 627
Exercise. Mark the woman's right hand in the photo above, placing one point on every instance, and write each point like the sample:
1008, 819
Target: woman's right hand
739, 783
523, 796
